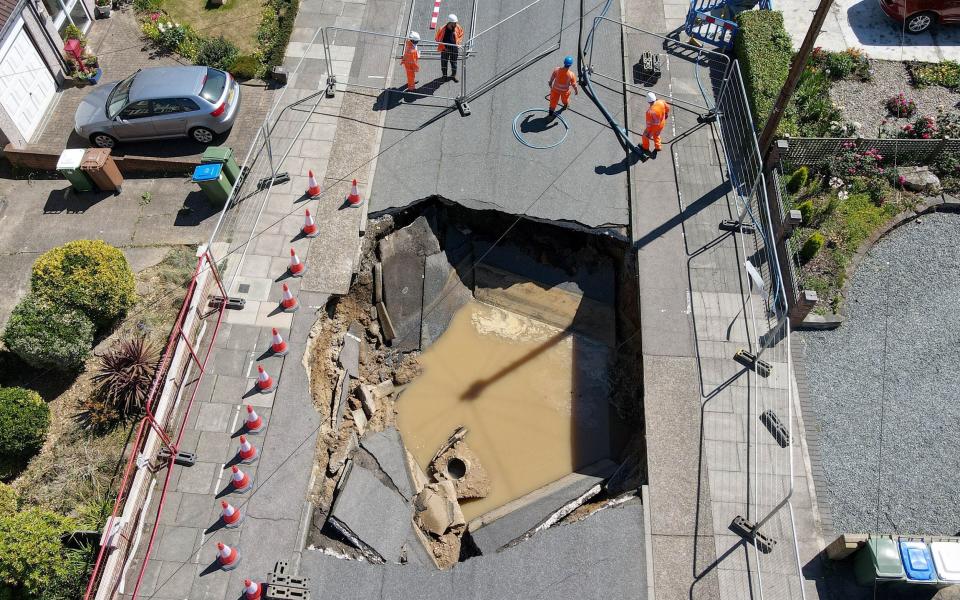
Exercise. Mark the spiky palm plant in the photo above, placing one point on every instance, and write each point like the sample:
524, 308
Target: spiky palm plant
124, 375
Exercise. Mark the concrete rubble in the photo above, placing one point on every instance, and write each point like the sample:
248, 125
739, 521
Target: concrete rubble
387, 448
341, 452
371, 516
469, 477
516, 520
437, 509
349, 358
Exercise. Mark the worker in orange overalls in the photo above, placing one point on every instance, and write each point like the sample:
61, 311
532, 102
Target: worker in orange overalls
411, 59
561, 80
657, 115
450, 37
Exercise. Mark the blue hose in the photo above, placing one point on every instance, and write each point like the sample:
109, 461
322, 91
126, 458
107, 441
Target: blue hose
516, 130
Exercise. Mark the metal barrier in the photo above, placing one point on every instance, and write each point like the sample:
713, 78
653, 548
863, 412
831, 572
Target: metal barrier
712, 21
768, 515
374, 56
708, 68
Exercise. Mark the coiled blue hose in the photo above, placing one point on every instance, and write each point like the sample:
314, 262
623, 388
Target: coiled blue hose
516, 130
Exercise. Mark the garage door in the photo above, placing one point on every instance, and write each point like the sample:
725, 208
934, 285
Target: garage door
26, 85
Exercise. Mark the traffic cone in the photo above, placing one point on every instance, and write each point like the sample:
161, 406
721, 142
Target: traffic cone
313, 188
247, 452
297, 268
227, 557
231, 516
354, 198
277, 345
253, 422
264, 381
310, 228
251, 590
240, 481
288, 303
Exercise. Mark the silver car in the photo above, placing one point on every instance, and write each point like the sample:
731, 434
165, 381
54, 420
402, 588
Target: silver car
162, 102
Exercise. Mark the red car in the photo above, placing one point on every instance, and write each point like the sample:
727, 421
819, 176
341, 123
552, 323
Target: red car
920, 15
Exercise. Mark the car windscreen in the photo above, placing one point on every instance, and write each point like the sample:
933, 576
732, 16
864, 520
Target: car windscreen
213, 85
119, 96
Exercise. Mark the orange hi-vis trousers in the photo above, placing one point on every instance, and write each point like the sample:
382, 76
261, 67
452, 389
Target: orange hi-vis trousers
652, 133
411, 76
557, 96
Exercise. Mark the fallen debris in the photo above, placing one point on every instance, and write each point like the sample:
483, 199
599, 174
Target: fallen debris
371, 516
438, 514
341, 452
513, 521
459, 464
387, 448
349, 358
360, 420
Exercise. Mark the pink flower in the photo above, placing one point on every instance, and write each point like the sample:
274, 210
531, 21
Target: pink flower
926, 136
154, 17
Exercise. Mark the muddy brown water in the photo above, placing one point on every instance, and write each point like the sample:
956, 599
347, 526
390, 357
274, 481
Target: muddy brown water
534, 398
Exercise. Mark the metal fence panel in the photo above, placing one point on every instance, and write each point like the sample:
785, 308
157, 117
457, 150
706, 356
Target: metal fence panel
819, 151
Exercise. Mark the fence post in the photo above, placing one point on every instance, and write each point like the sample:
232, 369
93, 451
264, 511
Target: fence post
802, 306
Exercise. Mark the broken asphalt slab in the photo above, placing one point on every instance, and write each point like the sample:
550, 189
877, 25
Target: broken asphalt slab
498, 528
371, 515
387, 447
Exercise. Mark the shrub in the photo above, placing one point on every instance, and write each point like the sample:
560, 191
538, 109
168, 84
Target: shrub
878, 189
145, 6
24, 418
9, 499
763, 48
851, 162
798, 179
33, 560
924, 128
811, 107
47, 336
89, 275
948, 123
811, 247
841, 65
125, 374
806, 211
247, 66
216, 52
901, 106
945, 74
274, 38
171, 35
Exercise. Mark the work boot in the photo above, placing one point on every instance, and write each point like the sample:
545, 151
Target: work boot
455, 79
655, 152
444, 76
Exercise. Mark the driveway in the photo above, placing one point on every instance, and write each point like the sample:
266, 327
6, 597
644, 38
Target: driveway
149, 217
122, 51
862, 24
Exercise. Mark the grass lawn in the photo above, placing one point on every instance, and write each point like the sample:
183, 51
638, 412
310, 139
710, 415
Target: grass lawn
236, 20
844, 225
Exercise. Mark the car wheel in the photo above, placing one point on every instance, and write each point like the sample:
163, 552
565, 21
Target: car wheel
202, 135
920, 22
103, 140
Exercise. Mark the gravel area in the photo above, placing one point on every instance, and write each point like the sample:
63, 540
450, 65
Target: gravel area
865, 101
904, 295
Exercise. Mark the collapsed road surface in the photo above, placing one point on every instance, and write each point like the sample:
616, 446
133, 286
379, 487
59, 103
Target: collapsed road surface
477, 161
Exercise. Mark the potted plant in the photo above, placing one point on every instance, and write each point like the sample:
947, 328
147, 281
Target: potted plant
88, 77
104, 7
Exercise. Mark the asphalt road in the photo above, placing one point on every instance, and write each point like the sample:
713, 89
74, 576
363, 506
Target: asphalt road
476, 160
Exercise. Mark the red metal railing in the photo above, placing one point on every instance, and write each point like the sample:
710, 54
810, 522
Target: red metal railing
193, 313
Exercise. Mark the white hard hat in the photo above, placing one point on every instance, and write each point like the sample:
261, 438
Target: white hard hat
651, 97
452, 18
414, 36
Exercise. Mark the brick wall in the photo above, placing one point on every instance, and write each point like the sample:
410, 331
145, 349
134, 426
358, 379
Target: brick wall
128, 165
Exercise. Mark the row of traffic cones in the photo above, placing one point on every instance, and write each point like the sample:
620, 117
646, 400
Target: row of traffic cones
228, 558
313, 190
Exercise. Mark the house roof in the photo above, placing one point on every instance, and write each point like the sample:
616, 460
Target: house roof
7, 8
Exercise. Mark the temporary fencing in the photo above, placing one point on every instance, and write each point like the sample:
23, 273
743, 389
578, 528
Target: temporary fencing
371, 61
152, 456
768, 520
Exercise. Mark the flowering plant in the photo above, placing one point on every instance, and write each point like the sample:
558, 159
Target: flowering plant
924, 128
901, 106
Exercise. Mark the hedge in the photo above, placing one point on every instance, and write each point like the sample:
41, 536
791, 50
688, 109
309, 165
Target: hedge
47, 336
24, 418
763, 48
89, 275
33, 560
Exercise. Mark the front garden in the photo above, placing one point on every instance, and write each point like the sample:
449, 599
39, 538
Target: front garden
80, 351
845, 198
244, 37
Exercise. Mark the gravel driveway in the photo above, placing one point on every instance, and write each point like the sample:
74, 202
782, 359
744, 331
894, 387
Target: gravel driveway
866, 101
893, 366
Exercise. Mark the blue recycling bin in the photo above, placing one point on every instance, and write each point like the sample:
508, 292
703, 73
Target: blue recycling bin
917, 561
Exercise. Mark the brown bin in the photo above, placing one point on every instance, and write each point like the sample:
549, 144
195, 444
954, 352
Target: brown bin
102, 169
